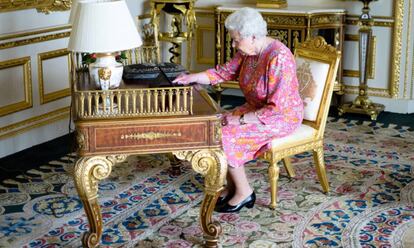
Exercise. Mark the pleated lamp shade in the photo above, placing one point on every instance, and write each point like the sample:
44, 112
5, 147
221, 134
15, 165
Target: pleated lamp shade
103, 27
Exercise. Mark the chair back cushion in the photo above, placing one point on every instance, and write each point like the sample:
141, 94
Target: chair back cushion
312, 76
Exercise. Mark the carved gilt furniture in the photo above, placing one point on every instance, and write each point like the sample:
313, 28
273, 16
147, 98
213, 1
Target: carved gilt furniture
183, 16
317, 65
113, 124
290, 25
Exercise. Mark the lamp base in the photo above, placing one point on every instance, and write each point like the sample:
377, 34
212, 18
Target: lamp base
115, 68
371, 109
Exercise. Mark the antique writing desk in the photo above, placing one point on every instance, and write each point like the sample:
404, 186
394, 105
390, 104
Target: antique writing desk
113, 124
289, 25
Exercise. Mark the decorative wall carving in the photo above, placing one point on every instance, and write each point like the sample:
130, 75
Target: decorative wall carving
43, 6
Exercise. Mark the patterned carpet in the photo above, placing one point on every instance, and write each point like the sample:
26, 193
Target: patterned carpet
371, 203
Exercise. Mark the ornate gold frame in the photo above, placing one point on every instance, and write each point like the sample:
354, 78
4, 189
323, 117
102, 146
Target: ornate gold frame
200, 44
371, 54
43, 6
45, 98
28, 100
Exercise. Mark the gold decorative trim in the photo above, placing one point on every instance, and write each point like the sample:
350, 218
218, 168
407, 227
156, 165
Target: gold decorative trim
34, 40
277, 4
48, 97
44, 6
36, 32
374, 17
34, 122
396, 47
149, 136
371, 55
375, 23
351, 89
200, 45
28, 100
407, 51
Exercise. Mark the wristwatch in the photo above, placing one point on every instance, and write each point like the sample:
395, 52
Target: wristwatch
241, 120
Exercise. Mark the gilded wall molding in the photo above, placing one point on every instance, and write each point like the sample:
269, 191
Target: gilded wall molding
28, 41
396, 47
407, 53
35, 32
371, 60
43, 6
52, 96
34, 122
27, 81
200, 45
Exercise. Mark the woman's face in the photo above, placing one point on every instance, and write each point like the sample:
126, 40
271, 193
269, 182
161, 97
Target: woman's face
244, 45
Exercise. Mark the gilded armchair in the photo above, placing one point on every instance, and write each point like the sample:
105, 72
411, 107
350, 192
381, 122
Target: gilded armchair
317, 65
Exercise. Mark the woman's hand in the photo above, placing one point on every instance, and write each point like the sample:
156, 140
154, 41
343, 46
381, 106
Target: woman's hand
185, 79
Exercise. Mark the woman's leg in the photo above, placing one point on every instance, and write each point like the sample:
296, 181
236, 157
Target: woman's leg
230, 188
241, 185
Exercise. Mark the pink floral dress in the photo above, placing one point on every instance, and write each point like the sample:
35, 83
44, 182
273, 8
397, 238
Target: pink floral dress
270, 86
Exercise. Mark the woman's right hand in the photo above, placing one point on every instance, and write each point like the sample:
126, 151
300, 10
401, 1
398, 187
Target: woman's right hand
185, 79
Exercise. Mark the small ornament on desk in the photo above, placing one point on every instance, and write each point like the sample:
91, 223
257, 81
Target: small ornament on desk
107, 106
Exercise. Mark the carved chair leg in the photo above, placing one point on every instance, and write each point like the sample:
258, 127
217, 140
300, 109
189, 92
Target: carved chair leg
320, 168
273, 171
288, 166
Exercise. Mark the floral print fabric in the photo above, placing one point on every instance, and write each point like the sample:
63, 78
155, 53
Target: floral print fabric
272, 92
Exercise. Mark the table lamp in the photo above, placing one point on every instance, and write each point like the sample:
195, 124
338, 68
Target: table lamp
103, 28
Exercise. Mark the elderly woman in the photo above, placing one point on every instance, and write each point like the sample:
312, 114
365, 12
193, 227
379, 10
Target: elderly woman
266, 71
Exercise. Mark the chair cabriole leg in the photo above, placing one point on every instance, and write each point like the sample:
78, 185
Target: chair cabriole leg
320, 168
288, 166
273, 177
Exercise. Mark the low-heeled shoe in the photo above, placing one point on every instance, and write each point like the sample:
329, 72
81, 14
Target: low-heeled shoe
227, 208
223, 199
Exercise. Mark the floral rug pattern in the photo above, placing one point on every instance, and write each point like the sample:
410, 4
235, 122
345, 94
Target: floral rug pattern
371, 203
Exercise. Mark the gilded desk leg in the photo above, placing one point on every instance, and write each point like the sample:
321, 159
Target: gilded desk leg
213, 165
88, 172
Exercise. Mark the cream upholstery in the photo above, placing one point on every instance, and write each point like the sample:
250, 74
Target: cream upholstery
317, 64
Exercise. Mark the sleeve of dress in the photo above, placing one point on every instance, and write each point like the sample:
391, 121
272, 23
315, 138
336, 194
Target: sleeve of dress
227, 71
279, 77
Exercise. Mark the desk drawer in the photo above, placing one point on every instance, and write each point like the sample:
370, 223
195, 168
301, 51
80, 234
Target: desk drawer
148, 137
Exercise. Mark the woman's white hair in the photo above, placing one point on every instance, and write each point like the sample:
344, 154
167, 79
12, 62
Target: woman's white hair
247, 22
